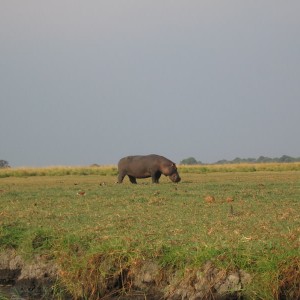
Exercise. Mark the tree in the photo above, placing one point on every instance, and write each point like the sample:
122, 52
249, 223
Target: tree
286, 158
190, 161
4, 164
264, 159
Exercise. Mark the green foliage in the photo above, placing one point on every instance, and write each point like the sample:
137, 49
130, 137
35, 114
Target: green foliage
238, 160
261, 159
4, 164
190, 161
3, 297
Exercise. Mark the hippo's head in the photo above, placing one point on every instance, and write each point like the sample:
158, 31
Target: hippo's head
171, 171
175, 177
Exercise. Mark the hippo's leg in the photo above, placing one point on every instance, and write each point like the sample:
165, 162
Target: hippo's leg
132, 179
155, 177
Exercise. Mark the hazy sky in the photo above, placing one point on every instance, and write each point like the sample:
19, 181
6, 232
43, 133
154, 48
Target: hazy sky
85, 82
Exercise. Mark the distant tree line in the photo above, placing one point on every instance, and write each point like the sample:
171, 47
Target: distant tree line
261, 159
190, 161
4, 164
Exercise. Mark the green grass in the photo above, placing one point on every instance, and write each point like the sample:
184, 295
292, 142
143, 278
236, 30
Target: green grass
117, 225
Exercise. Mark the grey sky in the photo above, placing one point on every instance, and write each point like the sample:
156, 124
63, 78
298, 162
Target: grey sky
85, 82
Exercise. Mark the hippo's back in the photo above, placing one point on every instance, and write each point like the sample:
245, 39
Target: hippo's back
141, 159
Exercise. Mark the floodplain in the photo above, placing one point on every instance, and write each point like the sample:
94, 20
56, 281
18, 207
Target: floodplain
125, 241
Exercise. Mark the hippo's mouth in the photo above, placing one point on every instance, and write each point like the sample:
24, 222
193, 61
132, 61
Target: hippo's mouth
175, 177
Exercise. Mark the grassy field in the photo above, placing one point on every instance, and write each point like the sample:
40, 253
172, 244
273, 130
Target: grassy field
243, 217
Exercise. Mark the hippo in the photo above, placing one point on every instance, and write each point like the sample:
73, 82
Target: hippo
145, 166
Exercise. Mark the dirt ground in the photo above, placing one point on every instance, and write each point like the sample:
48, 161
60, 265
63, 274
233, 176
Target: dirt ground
144, 280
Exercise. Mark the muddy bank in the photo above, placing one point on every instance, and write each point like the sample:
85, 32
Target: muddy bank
29, 279
41, 279
207, 282
143, 280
